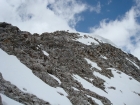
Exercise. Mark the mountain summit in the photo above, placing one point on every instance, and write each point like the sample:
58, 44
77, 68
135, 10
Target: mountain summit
63, 68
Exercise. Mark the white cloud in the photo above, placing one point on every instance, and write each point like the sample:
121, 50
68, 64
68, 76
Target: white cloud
68, 10
124, 31
109, 1
96, 8
42, 15
31, 15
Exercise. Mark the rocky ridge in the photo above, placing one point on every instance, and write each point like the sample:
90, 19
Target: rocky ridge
60, 54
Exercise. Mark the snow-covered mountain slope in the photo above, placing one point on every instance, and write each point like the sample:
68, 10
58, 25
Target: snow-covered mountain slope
21, 76
63, 68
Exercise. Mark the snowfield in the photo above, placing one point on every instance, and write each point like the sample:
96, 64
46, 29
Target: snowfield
90, 38
87, 40
21, 76
7, 101
125, 88
88, 85
124, 92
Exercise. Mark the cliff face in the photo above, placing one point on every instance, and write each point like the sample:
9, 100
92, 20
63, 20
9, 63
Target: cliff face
95, 73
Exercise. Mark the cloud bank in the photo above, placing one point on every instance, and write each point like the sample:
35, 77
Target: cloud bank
124, 31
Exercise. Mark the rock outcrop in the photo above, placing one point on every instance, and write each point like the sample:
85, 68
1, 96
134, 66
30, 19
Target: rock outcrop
66, 57
0, 101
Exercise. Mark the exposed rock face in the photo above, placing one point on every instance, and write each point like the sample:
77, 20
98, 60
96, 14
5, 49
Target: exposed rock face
0, 101
66, 57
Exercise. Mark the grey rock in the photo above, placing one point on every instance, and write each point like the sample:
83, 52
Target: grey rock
0, 100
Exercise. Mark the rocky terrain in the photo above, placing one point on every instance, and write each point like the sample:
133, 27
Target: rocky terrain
61, 55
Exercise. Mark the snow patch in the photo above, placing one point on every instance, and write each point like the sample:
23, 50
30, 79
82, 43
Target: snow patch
61, 90
55, 78
91, 79
87, 40
45, 53
104, 57
88, 85
93, 64
91, 39
8, 101
133, 63
75, 89
96, 100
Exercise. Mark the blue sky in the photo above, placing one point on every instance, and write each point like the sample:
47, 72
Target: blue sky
110, 9
116, 20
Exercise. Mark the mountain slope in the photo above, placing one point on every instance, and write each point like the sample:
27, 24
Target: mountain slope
63, 68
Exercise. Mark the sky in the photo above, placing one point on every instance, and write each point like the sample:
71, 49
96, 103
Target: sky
116, 20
